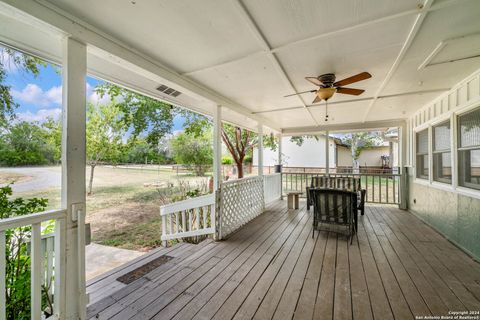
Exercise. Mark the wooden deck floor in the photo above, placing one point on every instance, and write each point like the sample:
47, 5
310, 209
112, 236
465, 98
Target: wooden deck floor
273, 269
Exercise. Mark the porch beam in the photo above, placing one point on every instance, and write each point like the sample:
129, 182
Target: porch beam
345, 127
257, 33
328, 34
318, 105
74, 69
403, 51
82, 31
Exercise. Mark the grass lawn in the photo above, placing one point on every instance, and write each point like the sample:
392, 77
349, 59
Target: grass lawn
122, 211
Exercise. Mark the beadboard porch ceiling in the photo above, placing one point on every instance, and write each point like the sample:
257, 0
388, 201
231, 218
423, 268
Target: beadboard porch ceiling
247, 55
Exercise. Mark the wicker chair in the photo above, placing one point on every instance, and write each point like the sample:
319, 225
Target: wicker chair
335, 207
340, 183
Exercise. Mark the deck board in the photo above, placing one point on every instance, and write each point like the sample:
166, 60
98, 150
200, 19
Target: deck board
272, 268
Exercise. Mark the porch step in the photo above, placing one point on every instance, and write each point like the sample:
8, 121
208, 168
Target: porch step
107, 283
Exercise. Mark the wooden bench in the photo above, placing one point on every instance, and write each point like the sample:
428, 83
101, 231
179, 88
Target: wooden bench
293, 199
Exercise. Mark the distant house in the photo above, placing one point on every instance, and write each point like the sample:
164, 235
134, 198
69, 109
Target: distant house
371, 157
311, 154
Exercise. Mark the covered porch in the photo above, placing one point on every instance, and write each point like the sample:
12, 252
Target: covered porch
272, 268
244, 63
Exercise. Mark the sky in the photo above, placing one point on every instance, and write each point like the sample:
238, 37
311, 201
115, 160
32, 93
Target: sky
41, 96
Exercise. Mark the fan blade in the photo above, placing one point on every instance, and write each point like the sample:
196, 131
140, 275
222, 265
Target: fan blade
317, 99
314, 80
351, 91
295, 94
355, 78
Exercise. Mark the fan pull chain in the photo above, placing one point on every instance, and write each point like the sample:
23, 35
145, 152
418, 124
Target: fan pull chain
326, 110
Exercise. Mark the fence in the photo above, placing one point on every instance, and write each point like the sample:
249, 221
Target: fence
380, 188
45, 258
188, 218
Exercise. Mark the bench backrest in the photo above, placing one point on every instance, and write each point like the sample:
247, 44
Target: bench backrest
340, 183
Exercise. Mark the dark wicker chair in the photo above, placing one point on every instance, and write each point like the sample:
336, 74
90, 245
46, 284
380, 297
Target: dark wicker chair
335, 207
340, 183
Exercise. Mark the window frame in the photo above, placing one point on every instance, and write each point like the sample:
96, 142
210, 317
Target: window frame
427, 153
461, 183
440, 152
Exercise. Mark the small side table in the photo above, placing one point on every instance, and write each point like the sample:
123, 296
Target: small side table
293, 199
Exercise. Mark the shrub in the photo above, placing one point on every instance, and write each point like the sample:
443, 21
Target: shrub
17, 258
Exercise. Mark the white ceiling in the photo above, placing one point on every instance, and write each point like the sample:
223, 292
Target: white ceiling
254, 52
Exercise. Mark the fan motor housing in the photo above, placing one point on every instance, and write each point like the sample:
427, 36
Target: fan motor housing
327, 79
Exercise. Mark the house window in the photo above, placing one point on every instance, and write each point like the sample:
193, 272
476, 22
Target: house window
469, 149
442, 157
422, 154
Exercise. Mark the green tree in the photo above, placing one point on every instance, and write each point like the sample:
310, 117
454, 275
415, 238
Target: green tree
359, 141
299, 140
193, 151
24, 143
239, 141
53, 137
105, 130
141, 114
9, 59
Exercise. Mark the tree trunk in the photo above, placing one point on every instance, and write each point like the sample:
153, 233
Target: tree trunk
90, 183
240, 169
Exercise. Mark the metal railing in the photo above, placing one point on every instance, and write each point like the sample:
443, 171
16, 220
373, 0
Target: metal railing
46, 260
380, 188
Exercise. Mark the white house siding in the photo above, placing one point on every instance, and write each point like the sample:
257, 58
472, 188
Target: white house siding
310, 154
452, 210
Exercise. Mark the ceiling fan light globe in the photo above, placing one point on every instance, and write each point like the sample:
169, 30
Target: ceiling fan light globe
326, 93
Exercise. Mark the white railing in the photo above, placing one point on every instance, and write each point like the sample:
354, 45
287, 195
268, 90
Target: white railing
188, 218
272, 187
45, 258
240, 201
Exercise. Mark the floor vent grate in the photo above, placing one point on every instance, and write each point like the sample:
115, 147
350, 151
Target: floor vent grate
143, 270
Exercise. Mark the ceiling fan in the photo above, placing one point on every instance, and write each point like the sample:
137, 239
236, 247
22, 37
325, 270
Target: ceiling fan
328, 86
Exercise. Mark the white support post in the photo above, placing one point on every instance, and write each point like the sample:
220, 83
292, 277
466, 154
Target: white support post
402, 161
216, 214
73, 173
280, 149
217, 148
327, 153
280, 160
260, 149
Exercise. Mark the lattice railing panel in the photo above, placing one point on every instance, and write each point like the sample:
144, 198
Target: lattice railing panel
240, 201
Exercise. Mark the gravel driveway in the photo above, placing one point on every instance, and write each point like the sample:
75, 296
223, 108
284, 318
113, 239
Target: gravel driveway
42, 178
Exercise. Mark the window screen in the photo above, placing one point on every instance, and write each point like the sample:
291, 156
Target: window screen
469, 149
422, 154
442, 165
